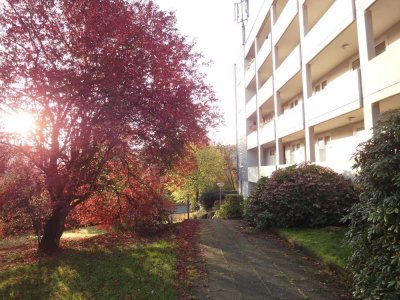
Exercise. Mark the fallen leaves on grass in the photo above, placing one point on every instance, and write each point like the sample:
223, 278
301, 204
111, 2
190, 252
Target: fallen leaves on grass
187, 238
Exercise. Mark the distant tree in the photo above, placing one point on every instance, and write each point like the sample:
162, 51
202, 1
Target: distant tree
198, 172
103, 80
230, 165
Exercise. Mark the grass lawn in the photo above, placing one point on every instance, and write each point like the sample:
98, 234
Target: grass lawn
108, 266
327, 243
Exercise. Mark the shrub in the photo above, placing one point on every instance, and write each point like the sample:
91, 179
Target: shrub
208, 198
200, 214
374, 234
300, 196
251, 207
231, 208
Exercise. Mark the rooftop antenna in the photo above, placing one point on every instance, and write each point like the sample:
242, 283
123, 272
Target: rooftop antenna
241, 15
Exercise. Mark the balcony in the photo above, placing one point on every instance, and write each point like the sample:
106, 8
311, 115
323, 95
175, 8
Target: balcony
342, 167
290, 122
252, 174
250, 72
288, 68
284, 20
340, 96
264, 52
267, 132
266, 171
251, 106
381, 77
338, 17
252, 140
266, 92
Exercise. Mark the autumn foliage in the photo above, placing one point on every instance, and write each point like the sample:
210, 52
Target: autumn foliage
107, 82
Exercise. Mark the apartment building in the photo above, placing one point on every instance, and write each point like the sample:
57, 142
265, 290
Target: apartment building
313, 78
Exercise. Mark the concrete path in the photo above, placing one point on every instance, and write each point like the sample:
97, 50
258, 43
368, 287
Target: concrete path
258, 266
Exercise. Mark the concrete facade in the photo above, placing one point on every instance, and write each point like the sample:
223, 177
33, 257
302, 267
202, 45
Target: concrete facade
312, 80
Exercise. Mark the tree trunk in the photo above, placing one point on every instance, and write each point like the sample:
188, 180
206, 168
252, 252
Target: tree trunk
53, 230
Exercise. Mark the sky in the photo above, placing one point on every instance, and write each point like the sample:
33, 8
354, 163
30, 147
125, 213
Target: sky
210, 23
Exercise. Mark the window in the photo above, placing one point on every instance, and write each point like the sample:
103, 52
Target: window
355, 64
272, 152
323, 143
320, 86
359, 133
380, 48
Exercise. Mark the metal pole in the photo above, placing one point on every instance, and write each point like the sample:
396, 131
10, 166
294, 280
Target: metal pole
188, 205
220, 197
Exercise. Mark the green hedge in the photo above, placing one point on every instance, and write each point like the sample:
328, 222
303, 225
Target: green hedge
231, 208
375, 222
208, 198
300, 196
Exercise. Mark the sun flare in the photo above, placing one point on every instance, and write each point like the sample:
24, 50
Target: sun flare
20, 123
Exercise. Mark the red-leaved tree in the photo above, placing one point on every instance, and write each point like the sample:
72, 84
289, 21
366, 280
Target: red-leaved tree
103, 80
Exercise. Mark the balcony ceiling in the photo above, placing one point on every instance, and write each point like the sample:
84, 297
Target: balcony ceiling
343, 120
385, 14
289, 40
316, 9
280, 5
299, 135
266, 69
268, 106
335, 54
390, 103
291, 89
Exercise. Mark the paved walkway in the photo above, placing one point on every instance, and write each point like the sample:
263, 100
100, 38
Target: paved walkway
259, 266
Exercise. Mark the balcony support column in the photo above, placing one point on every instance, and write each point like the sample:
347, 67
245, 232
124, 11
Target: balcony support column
280, 155
365, 36
310, 144
371, 115
303, 15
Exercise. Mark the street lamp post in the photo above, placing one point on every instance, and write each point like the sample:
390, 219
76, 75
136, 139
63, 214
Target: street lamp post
220, 185
188, 205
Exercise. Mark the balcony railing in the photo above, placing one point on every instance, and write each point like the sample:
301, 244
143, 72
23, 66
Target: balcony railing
266, 92
250, 72
284, 20
252, 173
341, 167
252, 140
267, 132
266, 171
264, 52
251, 106
339, 97
382, 74
290, 122
337, 18
290, 66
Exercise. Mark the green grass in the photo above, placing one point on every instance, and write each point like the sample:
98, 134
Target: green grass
15, 241
130, 271
83, 233
327, 243
80, 233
